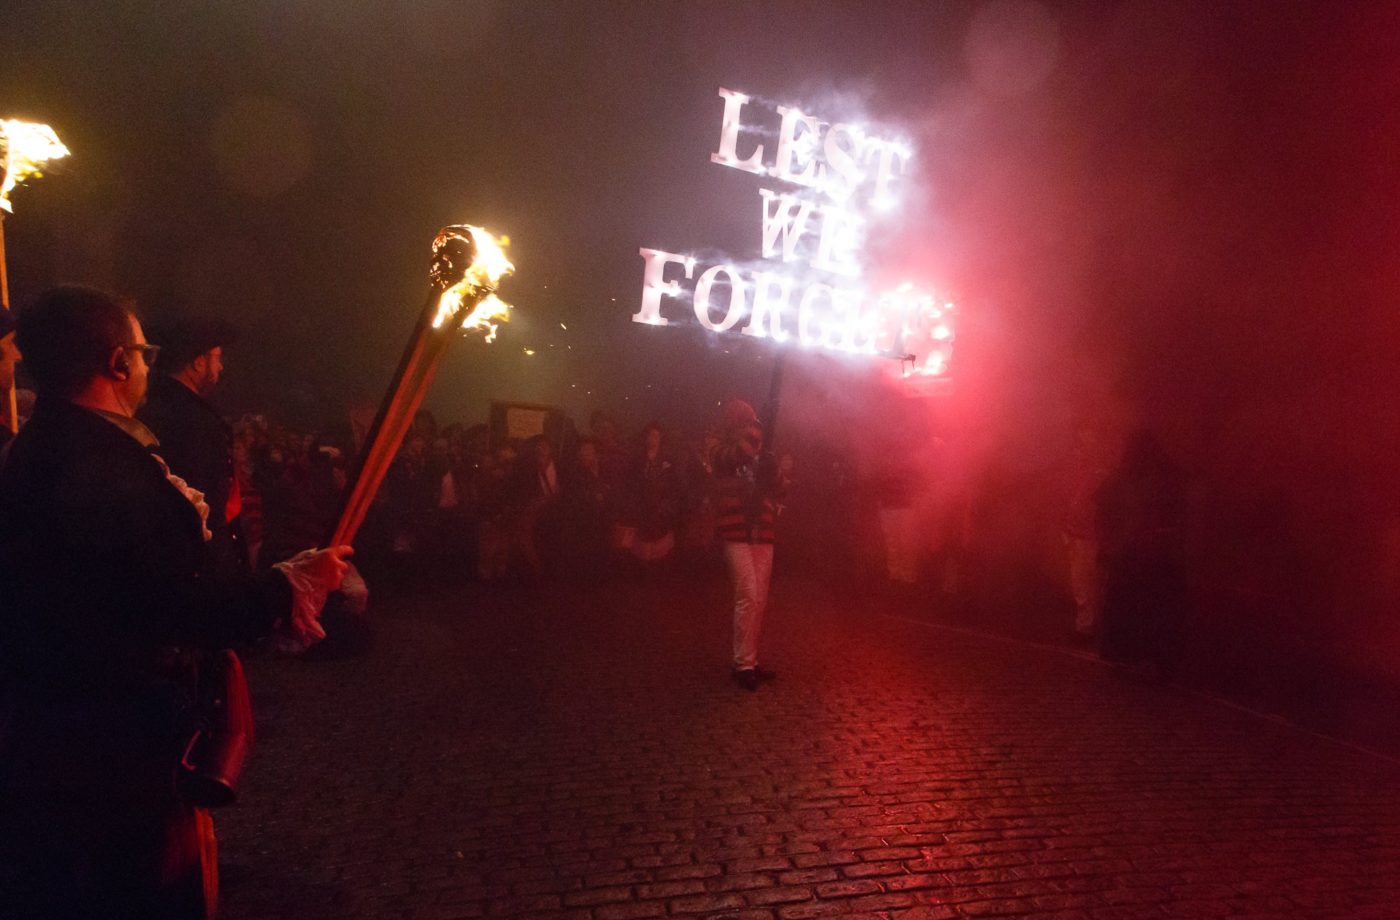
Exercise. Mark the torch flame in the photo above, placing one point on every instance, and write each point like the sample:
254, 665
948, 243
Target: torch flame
28, 146
477, 288
487, 309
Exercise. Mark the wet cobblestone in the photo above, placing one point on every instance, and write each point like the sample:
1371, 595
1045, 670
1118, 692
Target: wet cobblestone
576, 751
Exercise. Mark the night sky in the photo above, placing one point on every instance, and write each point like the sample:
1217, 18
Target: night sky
287, 164
1181, 214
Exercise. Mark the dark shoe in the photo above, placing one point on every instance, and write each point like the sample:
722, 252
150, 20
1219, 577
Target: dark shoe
746, 678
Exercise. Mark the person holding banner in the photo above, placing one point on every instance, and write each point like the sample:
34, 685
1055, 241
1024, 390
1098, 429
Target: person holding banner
107, 605
749, 486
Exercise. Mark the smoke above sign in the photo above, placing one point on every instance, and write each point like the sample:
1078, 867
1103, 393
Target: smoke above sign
827, 184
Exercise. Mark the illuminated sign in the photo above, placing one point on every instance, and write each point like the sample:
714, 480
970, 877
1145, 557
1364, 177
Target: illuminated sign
826, 185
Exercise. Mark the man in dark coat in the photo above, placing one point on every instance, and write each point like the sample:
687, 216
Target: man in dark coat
106, 601
194, 438
1141, 515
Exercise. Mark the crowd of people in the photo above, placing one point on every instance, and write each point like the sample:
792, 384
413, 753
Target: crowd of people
458, 502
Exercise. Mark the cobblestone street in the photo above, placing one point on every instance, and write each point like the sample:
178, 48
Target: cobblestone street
581, 752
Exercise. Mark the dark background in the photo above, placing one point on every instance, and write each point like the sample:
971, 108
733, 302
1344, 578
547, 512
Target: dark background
1183, 215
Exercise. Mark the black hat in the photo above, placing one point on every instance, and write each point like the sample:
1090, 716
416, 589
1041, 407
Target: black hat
181, 341
7, 322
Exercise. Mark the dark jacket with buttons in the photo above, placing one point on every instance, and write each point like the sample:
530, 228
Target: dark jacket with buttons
197, 444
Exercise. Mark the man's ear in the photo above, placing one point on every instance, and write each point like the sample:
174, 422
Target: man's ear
118, 368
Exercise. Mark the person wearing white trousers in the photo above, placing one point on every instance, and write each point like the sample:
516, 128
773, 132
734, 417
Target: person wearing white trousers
749, 485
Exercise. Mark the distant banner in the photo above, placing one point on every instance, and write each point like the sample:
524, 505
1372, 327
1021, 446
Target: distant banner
523, 423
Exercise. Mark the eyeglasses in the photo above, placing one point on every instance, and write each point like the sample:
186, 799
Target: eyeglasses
148, 351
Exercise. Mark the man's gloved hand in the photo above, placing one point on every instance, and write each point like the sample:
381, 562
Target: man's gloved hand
313, 574
327, 567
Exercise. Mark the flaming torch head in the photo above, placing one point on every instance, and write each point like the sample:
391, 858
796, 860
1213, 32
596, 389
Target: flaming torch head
27, 148
454, 250
468, 263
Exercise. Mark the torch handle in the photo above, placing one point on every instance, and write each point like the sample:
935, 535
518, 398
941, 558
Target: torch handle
11, 404
775, 391
405, 394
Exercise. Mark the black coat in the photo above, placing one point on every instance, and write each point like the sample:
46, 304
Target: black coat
194, 440
103, 605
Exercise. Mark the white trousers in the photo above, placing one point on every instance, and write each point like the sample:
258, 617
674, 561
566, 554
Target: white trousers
750, 566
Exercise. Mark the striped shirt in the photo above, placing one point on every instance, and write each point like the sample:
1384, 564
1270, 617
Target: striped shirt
748, 486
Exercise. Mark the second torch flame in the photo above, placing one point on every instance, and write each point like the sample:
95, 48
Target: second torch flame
475, 293
27, 148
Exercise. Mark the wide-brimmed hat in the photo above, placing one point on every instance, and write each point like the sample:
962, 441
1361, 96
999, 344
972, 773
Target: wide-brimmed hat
181, 341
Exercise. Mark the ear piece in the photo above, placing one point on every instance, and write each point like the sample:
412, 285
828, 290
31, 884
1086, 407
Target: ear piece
121, 369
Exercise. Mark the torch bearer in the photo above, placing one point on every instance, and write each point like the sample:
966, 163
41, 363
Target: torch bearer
467, 265
27, 147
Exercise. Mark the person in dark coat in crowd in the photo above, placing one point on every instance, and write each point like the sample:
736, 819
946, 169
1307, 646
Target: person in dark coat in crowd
653, 499
613, 460
1141, 511
107, 598
535, 499
589, 501
194, 438
492, 488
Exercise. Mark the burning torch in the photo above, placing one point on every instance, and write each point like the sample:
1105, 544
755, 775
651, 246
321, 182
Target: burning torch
467, 265
27, 148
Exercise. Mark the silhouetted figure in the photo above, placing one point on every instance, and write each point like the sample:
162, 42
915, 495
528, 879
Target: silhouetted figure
653, 503
612, 456
1140, 515
1085, 476
194, 438
588, 507
534, 505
